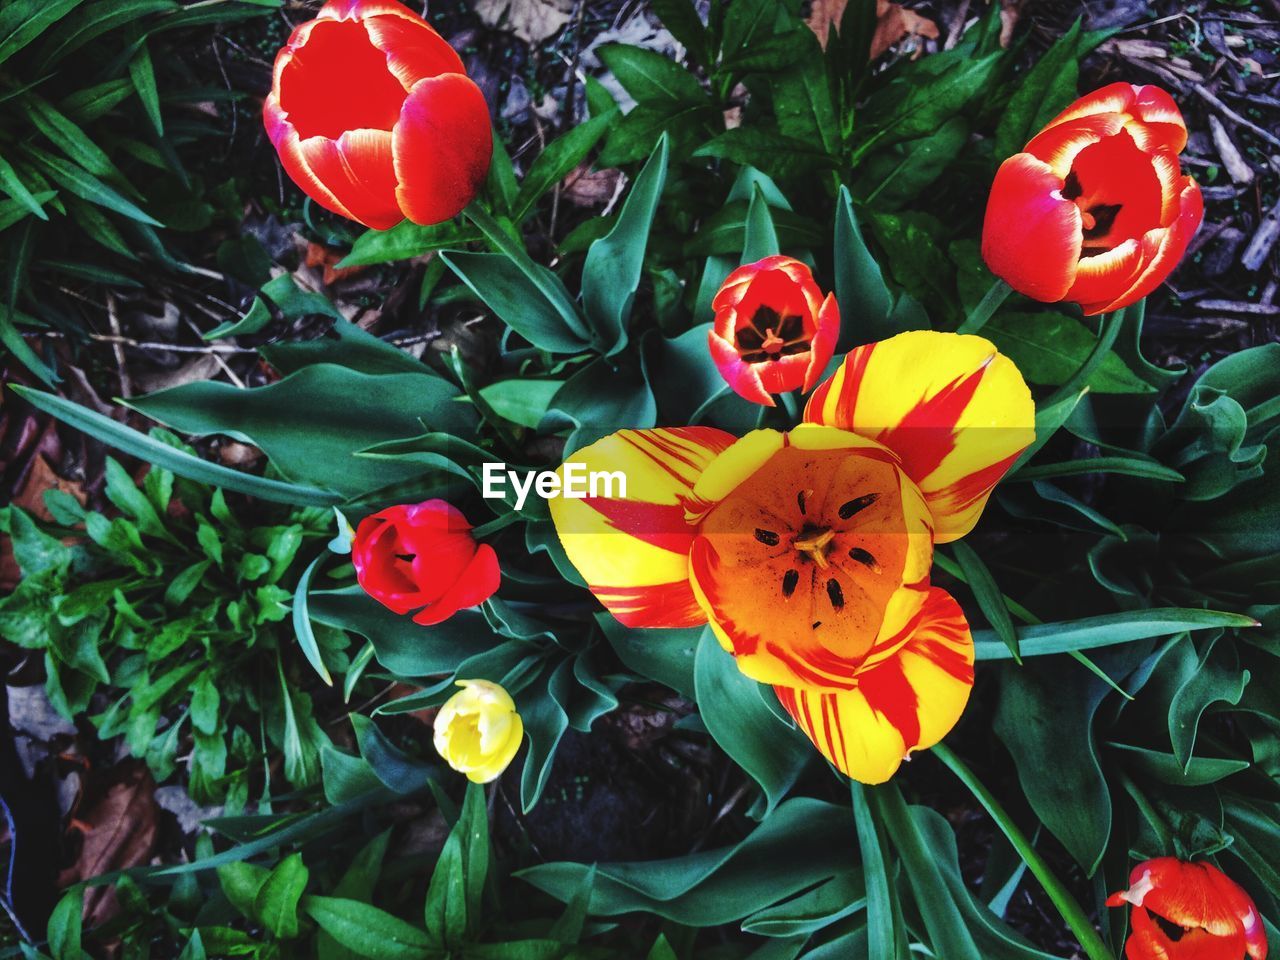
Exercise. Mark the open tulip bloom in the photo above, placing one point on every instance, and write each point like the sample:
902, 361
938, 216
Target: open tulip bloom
809, 552
1186, 910
374, 117
1095, 210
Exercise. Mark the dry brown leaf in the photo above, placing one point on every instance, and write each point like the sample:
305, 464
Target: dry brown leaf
327, 260
585, 187
894, 23
533, 21
119, 824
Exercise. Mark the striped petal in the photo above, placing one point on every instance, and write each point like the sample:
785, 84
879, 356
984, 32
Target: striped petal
442, 145
905, 703
1032, 235
1113, 98
955, 411
1107, 275
633, 551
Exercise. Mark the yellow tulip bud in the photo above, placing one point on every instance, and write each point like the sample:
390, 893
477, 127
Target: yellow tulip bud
478, 731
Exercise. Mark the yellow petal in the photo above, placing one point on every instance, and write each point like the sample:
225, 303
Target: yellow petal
955, 411
633, 550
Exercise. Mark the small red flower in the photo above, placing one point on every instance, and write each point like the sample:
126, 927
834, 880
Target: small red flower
1189, 911
773, 332
423, 557
1095, 210
374, 117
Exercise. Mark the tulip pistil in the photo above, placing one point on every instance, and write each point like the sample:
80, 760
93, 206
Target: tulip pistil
771, 336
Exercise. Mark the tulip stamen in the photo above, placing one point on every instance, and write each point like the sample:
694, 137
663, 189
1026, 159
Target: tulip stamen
856, 505
767, 537
866, 558
790, 580
771, 336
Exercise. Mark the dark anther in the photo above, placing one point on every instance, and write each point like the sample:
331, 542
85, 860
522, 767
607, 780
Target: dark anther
800, 500
406, 557
749, 338
767, 537
863, 557
835, 594
815, 625
789, 581
1071, 187
791, 328
857, 505
1171, 929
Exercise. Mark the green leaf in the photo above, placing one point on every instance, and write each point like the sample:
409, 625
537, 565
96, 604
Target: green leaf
1105, 631
69, 138
457, 884
886, 938
276, 902
506, 290
368, 931
523, 402
1125, 466
613, 266
86, 186
989, 596
560, 158
12, 339
651, 77
1050, 347
240, 884
14, 187
802, 843
161, 454
24, 20
760, 239
405, 241
313, 423
663, 655
1167, 768
732, 707
775, 153
681, 18
1040, 94
65, 926
302, 623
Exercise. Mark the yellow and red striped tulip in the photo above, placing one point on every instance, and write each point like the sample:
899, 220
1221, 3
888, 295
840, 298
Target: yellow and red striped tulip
374, 116
1218, 920
809, 552
773, 331
1095, 210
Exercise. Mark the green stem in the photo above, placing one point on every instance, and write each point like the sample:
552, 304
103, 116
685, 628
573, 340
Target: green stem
986, 307
494, 525
793, 409
1112, 323
1070, 911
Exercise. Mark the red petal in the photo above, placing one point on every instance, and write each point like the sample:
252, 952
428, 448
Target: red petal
1160, 118
1031, 236
284, 138
358, 169
1113, 98
357, 9
741, 377
784, 374
336, 80
413, 49
1107, 275
824, 341
1162, 249
478, 582
442, 146
1115, 171
1059, 146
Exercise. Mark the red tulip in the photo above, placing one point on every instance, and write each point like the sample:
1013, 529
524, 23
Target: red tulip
773, 332
1095, 210
375, 118
423, 557
1217, 919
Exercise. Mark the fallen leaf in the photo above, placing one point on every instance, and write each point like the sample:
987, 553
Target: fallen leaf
894, 23
41, 478
533, 21
321, 256
585, 187
119, 823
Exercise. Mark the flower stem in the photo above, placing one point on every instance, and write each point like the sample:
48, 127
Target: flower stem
494, 525
986, 307
791, 407
1070, 911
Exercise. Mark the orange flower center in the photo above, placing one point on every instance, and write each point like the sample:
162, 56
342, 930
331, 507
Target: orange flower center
813, 546
770, 336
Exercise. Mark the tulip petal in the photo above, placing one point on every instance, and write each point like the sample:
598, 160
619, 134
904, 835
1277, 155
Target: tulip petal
955, 410
824, 341
1028, 214
908, 702
1113, 98
478, 581
1108, 274
359, 9
1162, 249
633, 550
1162, 123
743, 378
358, 170
413, 49
284, 137
442, 145
1060, 145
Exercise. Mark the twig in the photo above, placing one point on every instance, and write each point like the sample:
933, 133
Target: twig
1263, 239
1237, 169
222, 364
1235, 117
126, 389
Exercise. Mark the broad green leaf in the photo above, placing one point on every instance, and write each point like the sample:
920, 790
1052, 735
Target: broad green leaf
760, 239
1167, 768
313, 422
649, 76
666, 656
276, 902
65, 926
989, 596
302, 623
143, 75
681, 18
886, 939
1125, 466
161, 454
557, 161
405, 241
744, 727
1040, 94
457, 883
523, 402
613, 266
368, 931
775, 153
1050, 347
23, 20
13, 341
